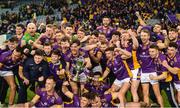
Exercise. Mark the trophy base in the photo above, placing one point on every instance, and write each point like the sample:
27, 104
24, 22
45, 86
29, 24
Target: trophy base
82, 78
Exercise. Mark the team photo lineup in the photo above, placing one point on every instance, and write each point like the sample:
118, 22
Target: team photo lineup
101, 53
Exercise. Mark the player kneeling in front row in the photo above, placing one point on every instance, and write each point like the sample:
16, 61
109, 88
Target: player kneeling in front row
45, 97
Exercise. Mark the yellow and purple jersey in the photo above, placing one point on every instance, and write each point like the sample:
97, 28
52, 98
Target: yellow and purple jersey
47, 100
7, 62
175, 62
120, 68
146, 62
160, 69
132, 62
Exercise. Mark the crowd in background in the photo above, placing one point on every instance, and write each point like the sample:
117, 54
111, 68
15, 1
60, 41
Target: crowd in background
90, 12
121, 12
25, 13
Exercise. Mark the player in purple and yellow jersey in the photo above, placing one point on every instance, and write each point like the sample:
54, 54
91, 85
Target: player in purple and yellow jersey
173, 66
147, 68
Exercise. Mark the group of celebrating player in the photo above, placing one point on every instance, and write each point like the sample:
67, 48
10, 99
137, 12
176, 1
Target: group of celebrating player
67, 68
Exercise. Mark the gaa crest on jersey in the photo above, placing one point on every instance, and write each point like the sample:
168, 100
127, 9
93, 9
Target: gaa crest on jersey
52, 99
40, 69
171, 63
115, 69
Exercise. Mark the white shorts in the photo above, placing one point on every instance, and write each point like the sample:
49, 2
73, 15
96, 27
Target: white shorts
177, 86
145, 78
6, 73
120, 82
136, 74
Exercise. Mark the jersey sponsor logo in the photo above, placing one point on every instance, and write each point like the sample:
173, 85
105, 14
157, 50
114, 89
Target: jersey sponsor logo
116, 70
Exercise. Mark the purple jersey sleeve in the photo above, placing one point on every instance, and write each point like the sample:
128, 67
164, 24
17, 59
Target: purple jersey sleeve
162, 58
4, 55
58, 100
160, 69
84, 53
177, 63
108, 97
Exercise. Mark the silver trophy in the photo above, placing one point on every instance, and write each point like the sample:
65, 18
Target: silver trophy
79, 67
